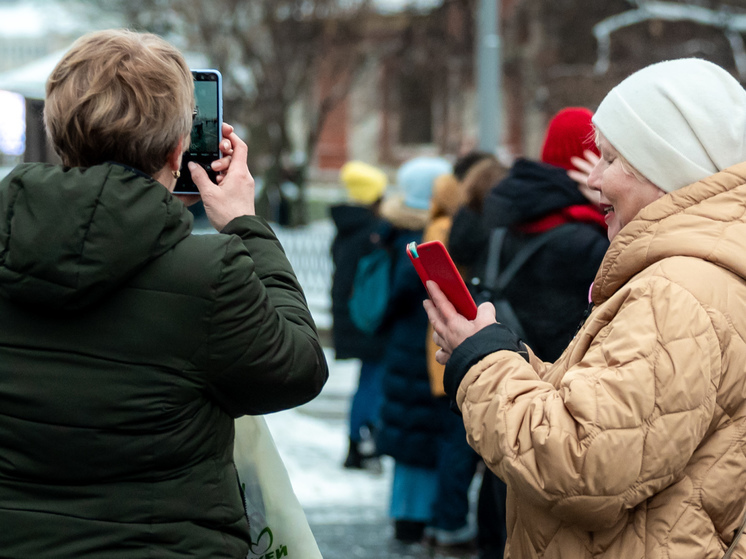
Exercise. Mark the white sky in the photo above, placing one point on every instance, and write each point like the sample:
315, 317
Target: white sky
28, 18
396, 5
12, 123
34, 18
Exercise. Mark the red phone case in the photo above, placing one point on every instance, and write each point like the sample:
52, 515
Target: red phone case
432, 262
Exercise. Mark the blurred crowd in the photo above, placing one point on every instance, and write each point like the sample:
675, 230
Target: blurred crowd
597, 393
400, 408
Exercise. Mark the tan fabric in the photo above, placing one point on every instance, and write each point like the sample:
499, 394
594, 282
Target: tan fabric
394, 211
437, 230
632, 444
447, 196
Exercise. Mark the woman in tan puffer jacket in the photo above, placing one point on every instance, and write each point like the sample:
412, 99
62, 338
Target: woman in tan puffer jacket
632, 444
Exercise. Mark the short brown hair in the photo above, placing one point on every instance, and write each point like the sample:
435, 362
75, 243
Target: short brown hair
119, 96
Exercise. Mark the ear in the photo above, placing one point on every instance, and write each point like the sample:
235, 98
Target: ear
174, 158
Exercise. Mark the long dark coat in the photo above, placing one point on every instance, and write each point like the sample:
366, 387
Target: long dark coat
410, 424
355, 226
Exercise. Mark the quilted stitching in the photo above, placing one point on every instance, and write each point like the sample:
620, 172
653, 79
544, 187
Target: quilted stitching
628, 453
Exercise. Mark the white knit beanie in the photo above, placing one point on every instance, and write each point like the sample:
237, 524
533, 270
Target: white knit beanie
676, 122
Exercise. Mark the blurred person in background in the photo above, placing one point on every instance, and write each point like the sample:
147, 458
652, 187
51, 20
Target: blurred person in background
468, 236
467, 161
445, 202
127, 345
631, 444
467, 243
549, 294
410, 426
451, 527
357, 221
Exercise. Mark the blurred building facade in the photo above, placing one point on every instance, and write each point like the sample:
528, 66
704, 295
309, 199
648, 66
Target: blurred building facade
31, 32
414, 91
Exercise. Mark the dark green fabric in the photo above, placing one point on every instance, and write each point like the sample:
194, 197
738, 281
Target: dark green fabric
126, 347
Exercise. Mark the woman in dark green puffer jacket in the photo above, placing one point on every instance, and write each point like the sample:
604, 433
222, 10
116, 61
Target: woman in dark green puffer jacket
128, 345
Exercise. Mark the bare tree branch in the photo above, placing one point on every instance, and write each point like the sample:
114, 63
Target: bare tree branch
267, 51
724, 18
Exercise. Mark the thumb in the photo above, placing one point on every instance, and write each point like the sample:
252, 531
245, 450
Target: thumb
486, 313
200, 178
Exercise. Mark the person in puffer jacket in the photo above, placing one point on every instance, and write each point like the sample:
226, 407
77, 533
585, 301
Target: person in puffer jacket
410, 418
632, 444
127, 344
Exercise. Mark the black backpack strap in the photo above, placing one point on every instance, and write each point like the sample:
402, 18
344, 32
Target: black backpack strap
527, 252
495, 282
492, 267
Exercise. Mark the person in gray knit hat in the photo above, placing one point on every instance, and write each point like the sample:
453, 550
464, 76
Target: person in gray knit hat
633, 443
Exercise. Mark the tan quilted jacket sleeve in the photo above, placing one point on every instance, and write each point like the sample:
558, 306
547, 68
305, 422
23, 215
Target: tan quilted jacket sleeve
614, 420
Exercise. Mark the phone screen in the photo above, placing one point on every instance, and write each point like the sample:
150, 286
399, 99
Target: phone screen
206, 128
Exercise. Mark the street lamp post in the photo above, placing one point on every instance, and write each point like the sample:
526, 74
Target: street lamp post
488, 74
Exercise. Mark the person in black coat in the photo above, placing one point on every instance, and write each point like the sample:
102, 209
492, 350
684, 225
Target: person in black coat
410, 426
549, 294
358, 226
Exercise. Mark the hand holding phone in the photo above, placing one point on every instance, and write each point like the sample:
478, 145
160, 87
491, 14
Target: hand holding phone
233, 195
204, 147
432, 262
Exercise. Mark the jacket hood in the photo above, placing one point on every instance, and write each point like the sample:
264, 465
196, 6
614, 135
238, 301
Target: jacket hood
705, 220
349, 218
69, 236
530, 191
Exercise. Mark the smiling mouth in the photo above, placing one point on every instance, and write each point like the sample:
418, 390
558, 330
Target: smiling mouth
606, 209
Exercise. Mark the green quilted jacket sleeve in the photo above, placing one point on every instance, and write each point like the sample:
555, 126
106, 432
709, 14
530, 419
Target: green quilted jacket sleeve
264, 350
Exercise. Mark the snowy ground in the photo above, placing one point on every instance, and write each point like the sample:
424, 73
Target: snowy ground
347, 509
312, 441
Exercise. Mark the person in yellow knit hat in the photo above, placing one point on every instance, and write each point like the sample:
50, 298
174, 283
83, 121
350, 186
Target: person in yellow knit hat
356, 221
365, 183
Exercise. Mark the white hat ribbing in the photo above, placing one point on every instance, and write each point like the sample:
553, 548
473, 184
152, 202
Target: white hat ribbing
676, 122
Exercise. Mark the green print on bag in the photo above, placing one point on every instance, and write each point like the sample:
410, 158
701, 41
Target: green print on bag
277, 525
261, 548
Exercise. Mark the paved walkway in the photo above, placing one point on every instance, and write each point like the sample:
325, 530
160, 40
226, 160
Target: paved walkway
347, 509
366, 541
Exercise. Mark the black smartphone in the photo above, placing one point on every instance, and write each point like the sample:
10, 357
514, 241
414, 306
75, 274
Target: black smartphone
207, 124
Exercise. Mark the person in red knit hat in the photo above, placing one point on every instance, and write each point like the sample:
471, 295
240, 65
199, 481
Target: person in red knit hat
549, 294
570, 144
568, 135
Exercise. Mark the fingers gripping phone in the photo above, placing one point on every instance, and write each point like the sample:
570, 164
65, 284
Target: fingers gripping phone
207, 122
432, 262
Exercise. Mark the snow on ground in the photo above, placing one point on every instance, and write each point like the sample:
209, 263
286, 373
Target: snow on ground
313, 449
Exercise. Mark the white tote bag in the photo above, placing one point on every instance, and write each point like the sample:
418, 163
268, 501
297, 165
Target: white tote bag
277, 524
